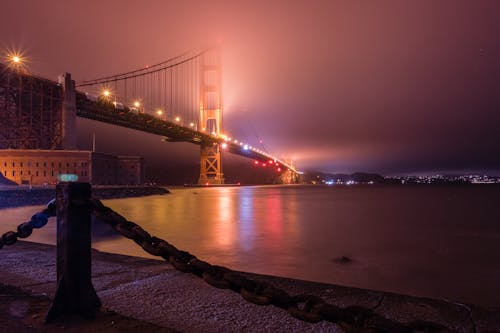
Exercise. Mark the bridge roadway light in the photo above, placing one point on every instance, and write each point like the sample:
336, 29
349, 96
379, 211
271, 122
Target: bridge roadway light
224, 145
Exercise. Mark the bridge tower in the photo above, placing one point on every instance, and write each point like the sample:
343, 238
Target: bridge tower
211, 116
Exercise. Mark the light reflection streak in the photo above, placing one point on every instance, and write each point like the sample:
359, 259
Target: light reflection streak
225, 223
246, 218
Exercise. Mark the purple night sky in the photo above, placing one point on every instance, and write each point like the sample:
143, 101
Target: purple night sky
338, 86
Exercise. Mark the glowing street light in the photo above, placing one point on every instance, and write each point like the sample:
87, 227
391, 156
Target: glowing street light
224, 145
137, 104
16, 60
159, 113
106, 93
177, 119
191, 124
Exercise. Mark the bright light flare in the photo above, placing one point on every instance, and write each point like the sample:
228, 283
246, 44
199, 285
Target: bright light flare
224, 145
137, 104
106, 93
191, 124
177, 119
15, 59
159, 112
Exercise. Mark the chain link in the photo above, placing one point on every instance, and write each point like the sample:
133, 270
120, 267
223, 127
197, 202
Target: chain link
25, 229
309, 308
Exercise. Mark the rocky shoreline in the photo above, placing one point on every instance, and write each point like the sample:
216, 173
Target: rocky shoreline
40, 196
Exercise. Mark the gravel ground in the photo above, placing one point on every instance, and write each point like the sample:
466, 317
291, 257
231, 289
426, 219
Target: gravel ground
25, 312
141, 291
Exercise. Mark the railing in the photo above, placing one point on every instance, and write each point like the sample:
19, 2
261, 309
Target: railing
75, 293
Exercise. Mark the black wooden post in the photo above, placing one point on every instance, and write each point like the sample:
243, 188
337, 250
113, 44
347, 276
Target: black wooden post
75, 293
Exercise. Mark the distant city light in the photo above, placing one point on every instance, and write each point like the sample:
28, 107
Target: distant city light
191, 124
106, 93
177, 119
16, 59
137, 104
159, 112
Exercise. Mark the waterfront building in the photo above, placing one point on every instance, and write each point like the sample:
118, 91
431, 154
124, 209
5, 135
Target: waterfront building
47, 167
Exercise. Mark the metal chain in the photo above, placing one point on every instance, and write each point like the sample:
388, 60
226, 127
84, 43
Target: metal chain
25, 229
308, 308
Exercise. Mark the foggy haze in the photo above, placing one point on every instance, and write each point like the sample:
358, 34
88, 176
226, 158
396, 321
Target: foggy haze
337, 86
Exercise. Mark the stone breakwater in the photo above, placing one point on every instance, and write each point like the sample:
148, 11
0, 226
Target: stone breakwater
40, 196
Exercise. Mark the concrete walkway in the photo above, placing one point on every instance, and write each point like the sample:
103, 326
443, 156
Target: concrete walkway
154, 292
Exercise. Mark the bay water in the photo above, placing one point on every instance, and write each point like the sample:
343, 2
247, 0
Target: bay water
433, 241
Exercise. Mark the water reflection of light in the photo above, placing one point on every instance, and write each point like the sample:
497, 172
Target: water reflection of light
246, 218
224, 231
274, 216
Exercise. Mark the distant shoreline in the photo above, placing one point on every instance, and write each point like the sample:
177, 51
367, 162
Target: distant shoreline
24, 196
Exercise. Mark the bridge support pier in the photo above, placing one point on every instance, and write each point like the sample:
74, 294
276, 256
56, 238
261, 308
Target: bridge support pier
68, 112
210, 165
211, 116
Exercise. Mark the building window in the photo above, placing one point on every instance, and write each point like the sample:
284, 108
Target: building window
13, 173
36, 174
52, 173
59, 164
13, 164
44, 164
21, 164
45, 173
5, 173
21, 173
29, 163
29, 172
37, 164
52, 164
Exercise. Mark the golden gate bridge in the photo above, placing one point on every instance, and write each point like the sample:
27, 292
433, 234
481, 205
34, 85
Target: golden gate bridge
179, 99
